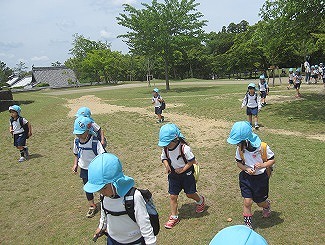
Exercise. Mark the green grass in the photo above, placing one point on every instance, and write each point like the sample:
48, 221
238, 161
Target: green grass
42, 202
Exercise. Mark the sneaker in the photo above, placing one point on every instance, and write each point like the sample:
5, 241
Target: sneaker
162, 118
21, 159
256, 126
26, 152
267, 211
200, 207
91, 212
249, 225
171, 222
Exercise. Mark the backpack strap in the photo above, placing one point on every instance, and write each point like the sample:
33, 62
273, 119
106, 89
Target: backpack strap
93, 146
129, 203
263, 151
106, 211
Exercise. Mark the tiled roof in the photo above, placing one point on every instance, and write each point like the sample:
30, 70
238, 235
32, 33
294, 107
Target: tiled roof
13, 80
23, 82
56, 76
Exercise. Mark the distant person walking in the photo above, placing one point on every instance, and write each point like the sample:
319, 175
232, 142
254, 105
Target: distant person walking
297, 82
307, 71
21, 130
157, 101
252, 101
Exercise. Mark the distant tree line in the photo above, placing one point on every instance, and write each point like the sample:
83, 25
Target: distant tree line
167, 40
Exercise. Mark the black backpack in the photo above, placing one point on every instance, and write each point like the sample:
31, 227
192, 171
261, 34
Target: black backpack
22, 125
129, 208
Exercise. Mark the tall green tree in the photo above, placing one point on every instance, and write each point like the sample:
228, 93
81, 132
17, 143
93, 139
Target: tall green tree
5, 72
162, 29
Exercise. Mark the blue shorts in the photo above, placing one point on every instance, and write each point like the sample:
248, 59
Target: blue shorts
254, 186
19, 139
296, 86
252, 111
184, 181
263, 94
158, 110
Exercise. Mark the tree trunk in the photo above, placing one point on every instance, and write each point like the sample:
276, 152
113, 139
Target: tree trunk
167, 74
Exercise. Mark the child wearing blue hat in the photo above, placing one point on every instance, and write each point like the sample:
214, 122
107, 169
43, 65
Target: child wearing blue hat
178, 160
157, 101
105, 175
297, 80
238, 235
264, 89
85, 111
252, 101
21, 130
85, 149
253, 179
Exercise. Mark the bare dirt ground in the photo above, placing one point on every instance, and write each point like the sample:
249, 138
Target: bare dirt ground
204, 132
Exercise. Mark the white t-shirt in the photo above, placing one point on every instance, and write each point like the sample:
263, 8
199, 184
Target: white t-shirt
263, 86
307, 66
17, 129
156, 101
122, 228
175, 156
85, 156
252, 101
251, 158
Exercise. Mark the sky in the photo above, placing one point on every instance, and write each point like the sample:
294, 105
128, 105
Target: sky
40, 32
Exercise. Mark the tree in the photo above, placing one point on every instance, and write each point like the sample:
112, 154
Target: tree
20, 69
5, 72
162, 29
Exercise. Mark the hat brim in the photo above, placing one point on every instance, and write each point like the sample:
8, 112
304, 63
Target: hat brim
123, 185
163, 144
254, 140
91, 188
78, 132
232, 141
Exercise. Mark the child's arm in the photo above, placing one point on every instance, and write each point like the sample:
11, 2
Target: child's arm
244, 102
11, 130
166, 164
75, 164
266, 164
250, 171
102, 137
29, 129
187, 166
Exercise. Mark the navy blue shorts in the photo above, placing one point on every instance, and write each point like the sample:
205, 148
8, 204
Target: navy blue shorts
254, 186
20, 139
296, 86
158, 110
252, 111
111, 241
184, 181
263, 94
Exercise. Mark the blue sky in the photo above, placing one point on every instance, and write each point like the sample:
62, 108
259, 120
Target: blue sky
39, 32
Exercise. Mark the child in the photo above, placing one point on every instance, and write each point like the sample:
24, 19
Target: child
291, 75
178, 160
253, 178
253, 104
107, 178
84, 152
85, 111
21, 130
297, 79
264, 89
157, 102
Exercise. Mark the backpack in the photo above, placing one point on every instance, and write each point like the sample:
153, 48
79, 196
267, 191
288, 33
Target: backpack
163, 104
263, 155
22, 125
129, 208
246, 97
196, 166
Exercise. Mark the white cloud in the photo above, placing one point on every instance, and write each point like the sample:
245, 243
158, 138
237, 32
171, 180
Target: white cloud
106, 35
39, 58
5, 55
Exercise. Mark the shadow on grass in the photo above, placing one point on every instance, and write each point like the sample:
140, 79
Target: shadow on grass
263, 223
35, 155
311, 108
187, 211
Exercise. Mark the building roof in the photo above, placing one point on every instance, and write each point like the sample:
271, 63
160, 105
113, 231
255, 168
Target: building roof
23, 82
12, 80
56, 76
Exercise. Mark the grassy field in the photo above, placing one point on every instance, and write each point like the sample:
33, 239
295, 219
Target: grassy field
42, 202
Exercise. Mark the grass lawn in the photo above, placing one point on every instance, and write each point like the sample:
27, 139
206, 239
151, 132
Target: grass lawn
42, 202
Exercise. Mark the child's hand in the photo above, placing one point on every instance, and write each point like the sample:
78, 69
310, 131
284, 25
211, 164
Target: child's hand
258, 165
168, 169
250, 171
30, 134
75, 168
178, 170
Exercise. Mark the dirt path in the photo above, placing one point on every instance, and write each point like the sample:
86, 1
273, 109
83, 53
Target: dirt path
205, 132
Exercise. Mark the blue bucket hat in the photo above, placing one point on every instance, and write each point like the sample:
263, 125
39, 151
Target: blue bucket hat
156, 90
239, 235
168, 133
15, 108
243, 131
82, 124
84, 111
104, 169
251, 85
262, 77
